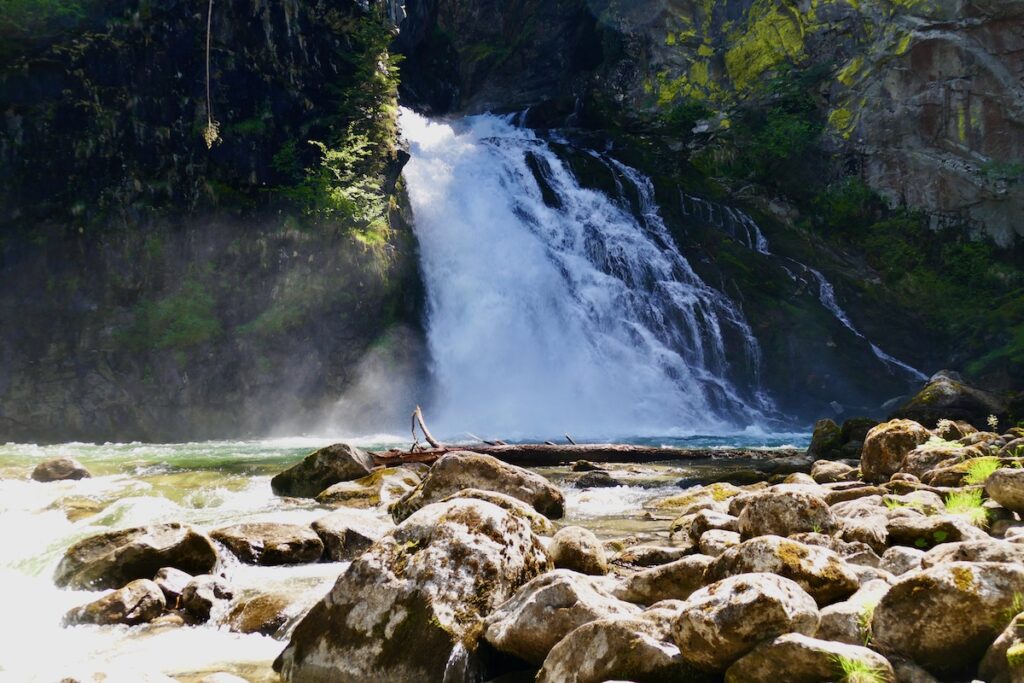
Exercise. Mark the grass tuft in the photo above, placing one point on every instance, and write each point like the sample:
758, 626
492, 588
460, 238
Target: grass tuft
858, 671
968, 504
979, 469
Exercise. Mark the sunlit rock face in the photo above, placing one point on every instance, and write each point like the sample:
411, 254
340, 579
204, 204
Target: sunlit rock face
927, 93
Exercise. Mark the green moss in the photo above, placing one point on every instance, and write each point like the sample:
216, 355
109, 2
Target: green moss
774, 35
180, 321
1015, 656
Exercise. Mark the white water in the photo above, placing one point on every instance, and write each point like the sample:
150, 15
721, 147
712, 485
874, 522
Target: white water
578, 317
742, 227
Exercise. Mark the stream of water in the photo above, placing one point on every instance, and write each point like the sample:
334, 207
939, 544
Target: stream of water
211, 485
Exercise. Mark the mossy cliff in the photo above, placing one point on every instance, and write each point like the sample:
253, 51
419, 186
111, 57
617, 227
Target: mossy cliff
160, 282
875, 140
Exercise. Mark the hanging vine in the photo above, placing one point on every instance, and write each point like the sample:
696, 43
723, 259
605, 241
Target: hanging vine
211, 133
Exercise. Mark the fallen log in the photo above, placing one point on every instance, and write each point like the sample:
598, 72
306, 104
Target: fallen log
546, 454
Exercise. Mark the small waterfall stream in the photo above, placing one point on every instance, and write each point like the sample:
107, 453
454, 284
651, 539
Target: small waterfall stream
555, 308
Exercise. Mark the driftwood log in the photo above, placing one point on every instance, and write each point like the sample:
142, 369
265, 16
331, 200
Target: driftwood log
539, 455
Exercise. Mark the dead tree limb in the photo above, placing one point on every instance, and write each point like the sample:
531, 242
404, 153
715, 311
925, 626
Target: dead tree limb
417, 419
569, 439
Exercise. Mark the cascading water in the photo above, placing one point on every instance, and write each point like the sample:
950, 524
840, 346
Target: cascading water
557, 309
742, 227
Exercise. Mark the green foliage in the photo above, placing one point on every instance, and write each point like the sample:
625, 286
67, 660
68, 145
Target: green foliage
852, 670
21, 18
346, 184
864, 618
1007, 171
979, 469
683, 116
180, 321
968, 504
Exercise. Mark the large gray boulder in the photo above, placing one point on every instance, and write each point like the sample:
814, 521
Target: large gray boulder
344, 537
886, 445
796, 658
271, 543
673, 581
322, 468
541, 525
1006, 487
404, 606
638, 649
946, 397
578, 549
137, 603
850, 621
112, 559
460, 470
819, 571
380, 487
987, 550
546, 609
724, 621
782, 513
59, 469
944, 618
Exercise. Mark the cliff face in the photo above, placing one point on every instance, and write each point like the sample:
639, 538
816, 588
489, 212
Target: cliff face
878, 141
154, 287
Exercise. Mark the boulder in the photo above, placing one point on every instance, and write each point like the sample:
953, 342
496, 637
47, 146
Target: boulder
944, 618
637, 649
900, 559
265, 614
857, 428
460, 470
727, 619
781, 513
113, 558
270, 543
1004, 660
540, 524
345, 538
382, 487
948, 397
1006, 487
672, 581
695, 498
829, 471
578, 549
819, 571
430, 581
546, 609
846, 494
827, 440
320, 469
139, 602
926, 532
705, 520
988, 550
886, 445
922, 459
172, 582
650, 555
58, 469
598, 479
796, 658
716, 541
849, 621
202, 593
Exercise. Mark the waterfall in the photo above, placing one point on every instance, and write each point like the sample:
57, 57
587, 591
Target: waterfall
745, 229
552, 307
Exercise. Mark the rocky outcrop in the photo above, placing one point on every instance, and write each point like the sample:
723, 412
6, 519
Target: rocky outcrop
344, 538
433, 579
721, 623
112, 559
886, 445
318, 470
578, 549
137, 603
947, 397
944, 618
58, 469
548, 608
796, 658
460, 470
624, 648
270, 543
